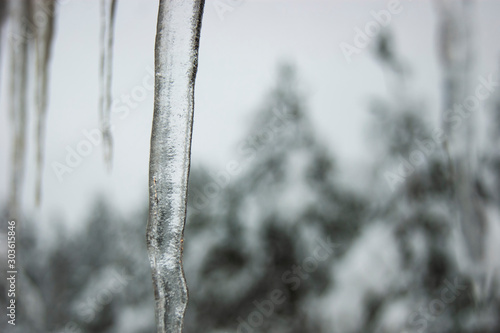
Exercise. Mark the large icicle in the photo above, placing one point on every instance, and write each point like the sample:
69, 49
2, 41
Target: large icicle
44, 11
19, 38
108, 9
176, 53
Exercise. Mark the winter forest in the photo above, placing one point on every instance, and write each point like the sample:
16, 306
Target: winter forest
249, 166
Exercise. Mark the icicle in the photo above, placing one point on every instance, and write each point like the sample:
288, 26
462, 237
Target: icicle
3, 12
20, 37
3, 16
456, 55
176, 53
108, 9
44, 23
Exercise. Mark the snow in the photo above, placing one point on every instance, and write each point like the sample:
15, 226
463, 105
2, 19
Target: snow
394, 316
419, 247
296, 195
135, 319
372, 266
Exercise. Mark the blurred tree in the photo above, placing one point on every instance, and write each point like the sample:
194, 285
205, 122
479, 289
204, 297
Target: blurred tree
266, 221
94, 280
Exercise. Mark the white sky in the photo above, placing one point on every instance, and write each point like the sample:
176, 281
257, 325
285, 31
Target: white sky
238, 57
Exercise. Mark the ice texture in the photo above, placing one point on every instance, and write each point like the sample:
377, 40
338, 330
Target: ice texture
176, 53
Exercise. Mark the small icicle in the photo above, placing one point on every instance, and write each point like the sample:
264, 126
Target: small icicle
20, 38
456, 54
108, 9
3, 16
44, 23
3, 12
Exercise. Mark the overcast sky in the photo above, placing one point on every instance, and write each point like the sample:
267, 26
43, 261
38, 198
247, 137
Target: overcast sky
238, 55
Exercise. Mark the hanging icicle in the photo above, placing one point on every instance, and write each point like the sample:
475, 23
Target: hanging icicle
176, 59
44, 11
3, 12
19, 39
108, 9
3, 16
456, 55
